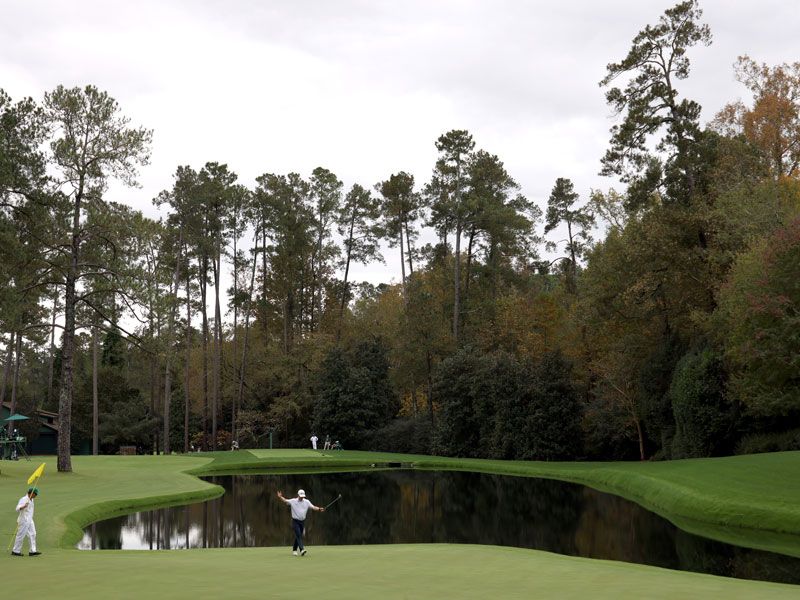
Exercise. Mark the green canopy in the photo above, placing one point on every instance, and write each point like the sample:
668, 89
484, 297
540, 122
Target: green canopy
16, 417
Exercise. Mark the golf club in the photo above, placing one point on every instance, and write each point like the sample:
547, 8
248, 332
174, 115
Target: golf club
339, 497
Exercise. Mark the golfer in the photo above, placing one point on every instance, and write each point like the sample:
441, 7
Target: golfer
314, 440
299, 506
25, 526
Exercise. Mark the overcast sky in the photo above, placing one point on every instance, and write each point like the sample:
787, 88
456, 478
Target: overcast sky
364, 87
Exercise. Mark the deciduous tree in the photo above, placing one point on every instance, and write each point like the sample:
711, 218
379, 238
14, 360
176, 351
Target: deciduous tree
772, 123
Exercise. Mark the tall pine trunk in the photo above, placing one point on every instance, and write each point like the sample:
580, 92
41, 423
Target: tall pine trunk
153, 357
68, 341
429, 369
572, 286
216, 398
240, 391
346, 274
51, 359
302, 300
95, 394
264, 282
403, 263
153, 385
457, 266
204, 312
288, 322
468, 274
173, 292
410, 249
7, 367
186, 398
640, 436
234, 353
15, 382
315, 261
457, 282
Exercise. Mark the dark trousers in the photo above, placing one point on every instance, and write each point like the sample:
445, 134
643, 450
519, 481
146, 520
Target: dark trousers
298, 527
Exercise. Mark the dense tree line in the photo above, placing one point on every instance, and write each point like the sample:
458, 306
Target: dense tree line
672, 334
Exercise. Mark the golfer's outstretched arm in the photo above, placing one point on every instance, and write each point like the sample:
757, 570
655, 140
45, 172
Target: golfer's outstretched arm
280, 495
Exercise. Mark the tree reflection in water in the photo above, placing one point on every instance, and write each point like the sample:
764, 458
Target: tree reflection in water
394, 507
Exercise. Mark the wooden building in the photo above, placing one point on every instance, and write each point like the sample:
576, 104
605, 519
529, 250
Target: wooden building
45, 438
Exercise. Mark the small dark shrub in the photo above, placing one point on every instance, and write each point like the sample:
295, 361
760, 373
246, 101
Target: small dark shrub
407, 435
769, 442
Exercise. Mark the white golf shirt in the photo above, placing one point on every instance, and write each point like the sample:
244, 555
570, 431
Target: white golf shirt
25, 514
300, 507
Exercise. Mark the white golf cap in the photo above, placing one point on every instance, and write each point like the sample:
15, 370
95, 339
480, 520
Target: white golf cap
301, 493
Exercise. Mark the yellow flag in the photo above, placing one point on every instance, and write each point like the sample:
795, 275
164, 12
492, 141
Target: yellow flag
36, 474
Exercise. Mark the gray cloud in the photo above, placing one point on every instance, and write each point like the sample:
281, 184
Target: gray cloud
365, 87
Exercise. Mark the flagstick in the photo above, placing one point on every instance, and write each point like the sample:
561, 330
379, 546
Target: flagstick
13, 537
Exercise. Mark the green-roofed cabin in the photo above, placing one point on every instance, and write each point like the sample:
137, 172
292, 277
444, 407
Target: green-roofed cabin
45, 441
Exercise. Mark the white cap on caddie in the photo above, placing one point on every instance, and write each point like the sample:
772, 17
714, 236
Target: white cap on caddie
301, 493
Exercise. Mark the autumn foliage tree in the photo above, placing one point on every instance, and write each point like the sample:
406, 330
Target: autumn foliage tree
772, 123
760, 321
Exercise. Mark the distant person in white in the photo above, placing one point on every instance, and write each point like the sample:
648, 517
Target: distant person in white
299, 506
25, 526
314, 440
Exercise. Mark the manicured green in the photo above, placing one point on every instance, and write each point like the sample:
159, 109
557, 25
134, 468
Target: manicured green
749, 491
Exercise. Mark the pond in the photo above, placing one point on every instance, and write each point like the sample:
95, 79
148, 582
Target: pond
409, 506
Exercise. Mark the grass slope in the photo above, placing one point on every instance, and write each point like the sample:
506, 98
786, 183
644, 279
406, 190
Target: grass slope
743, 491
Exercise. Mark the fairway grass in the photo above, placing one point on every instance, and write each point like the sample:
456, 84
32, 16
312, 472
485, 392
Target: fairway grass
755, 499
348, 572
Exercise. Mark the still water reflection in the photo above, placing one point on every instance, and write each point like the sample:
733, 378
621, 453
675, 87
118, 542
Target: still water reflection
393, 507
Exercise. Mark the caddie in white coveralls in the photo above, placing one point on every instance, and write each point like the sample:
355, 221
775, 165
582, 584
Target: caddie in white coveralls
25, 526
